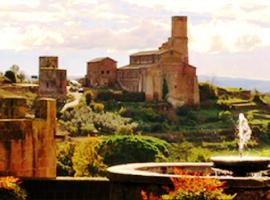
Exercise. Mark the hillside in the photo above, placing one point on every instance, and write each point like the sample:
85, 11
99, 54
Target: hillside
251, 84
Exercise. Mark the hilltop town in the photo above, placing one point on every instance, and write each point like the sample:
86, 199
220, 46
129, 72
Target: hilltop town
154, 109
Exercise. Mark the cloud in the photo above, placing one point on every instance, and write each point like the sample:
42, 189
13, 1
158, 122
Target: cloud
128, 25
228, 36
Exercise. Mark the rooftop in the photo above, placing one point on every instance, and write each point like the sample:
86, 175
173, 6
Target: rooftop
99, 59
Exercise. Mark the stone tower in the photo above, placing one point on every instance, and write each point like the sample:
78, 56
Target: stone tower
179, 36
178, 40
52, 80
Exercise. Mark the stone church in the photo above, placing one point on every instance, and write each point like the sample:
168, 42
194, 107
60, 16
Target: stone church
148, 70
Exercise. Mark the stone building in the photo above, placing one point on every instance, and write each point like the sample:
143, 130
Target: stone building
101, 72
149, 70
27, 145
52, 81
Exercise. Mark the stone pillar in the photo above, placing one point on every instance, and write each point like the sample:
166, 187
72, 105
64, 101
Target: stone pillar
44, 134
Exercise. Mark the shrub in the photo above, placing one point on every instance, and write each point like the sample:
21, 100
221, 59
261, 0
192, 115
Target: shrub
142, 114
182, 111
10, 75
124, 96
88, 129
131, 97
104, 95
10, 189
124, 130
207, 91
86, 161
191, 186
127, 149
97, 107
225, 115
89, 96
64, 153
70, 98
77, 120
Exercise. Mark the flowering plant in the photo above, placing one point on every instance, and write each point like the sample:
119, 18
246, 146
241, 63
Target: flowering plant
191, 186
10, 189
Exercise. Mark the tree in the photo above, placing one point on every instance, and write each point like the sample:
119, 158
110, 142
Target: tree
165, 90
10, 75
86, 161
121, 149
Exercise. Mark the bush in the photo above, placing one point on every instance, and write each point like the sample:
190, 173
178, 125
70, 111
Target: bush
191, 187
105, 95
89, 96
142, 114
97, 107
83, 119
129, 149
88, 129
182, 111
10, 189
124, 96
207, 91
10, 75
64, 153
131, 97
86, 161
225, 115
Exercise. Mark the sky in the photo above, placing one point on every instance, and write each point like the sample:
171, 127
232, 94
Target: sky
226, 37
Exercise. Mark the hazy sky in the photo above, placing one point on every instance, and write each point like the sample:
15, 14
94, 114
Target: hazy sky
226, 37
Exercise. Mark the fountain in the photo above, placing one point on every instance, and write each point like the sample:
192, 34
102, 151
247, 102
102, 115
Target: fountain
241, 165
235, 171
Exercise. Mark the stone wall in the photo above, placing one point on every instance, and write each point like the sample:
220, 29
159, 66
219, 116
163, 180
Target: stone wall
48, 62
27, 145
68, 188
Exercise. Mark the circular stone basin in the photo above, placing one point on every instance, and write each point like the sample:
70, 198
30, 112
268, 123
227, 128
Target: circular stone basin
241, 166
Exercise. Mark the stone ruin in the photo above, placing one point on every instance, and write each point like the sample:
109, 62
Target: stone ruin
27, 143
52, 80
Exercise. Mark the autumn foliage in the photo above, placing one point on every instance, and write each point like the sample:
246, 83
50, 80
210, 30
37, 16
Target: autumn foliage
10, 189
192, 186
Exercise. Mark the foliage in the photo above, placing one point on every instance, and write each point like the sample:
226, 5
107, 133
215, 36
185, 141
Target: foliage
97, 107
89, 97
14, 74
64, 154
10, 189
191, 186
207, 91
188, 152
124, 96
86, 161
11, 76
76, 120
165, 90
127, 149
147, 118
70, 98
225, 115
